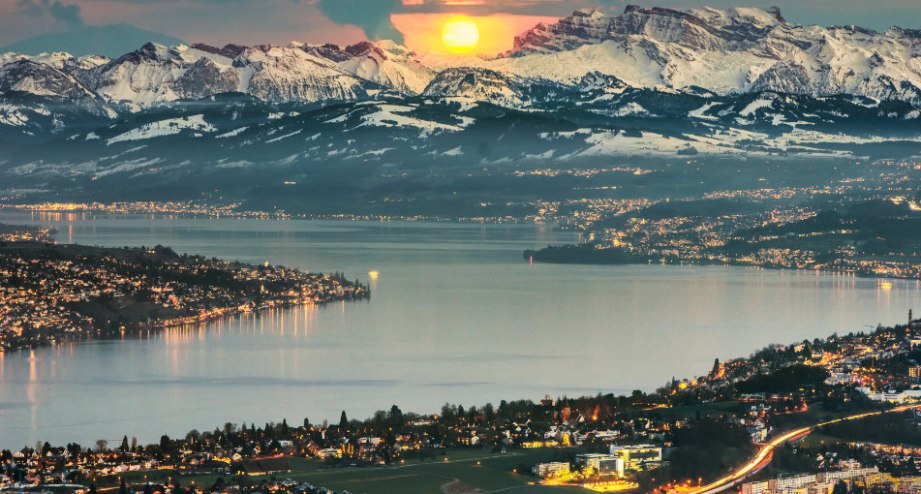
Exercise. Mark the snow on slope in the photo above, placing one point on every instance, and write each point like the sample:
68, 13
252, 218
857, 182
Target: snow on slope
389, 115
727, 51
170, 126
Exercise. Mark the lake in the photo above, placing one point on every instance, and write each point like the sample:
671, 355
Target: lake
456, 315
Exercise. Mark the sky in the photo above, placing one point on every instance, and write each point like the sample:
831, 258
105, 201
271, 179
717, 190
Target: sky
414, 22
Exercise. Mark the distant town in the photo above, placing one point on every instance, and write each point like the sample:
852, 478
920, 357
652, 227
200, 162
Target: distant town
876, 238
51, 293
836, 415
841, 221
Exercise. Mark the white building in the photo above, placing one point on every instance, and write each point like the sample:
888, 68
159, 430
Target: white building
638, 457
602, 464
549, 470
892, 397
822, 482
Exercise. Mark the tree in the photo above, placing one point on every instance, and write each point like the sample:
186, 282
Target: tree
124, 447
716, 368
503, 409
306, 423
192, 436
343, 422
101, 445
73, 449
448, 413
840, 488
396, 416
489, 412
164, 443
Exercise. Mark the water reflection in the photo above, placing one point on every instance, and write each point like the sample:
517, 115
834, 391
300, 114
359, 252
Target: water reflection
455, 315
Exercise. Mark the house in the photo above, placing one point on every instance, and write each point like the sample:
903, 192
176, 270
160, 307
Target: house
266, 466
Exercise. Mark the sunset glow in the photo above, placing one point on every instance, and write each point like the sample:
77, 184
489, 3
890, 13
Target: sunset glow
452, 33
460, 35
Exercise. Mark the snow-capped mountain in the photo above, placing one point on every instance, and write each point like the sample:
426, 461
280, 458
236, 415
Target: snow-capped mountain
732, 51
478, 85
156, 74
650, 82
726, 51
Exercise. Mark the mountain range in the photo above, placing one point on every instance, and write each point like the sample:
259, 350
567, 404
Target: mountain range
650, 82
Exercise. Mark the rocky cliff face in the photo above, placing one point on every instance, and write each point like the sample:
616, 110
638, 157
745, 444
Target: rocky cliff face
726, 52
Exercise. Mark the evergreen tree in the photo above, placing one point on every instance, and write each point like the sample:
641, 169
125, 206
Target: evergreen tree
164, 443
343, 422
489, 412
396, 416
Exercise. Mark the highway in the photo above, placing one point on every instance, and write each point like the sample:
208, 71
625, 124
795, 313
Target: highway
766, 453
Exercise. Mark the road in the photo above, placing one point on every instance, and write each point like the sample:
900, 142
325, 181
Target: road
766, 453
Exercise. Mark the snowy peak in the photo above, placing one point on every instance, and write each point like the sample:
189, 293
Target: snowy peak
38, 79
695, 51
584, 26
230, 51
476, 84
728, 51
292, 74
705, 28
386, 64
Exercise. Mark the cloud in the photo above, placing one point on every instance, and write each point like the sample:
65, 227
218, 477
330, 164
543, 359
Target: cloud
66, 14
372, 16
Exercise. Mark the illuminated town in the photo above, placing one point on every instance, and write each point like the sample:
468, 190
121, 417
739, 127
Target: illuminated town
814, 416
51, 293
615, 247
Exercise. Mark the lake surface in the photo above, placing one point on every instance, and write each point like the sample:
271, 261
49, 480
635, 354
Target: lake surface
455, 316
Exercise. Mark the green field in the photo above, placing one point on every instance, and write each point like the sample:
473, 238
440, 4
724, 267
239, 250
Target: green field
469, 469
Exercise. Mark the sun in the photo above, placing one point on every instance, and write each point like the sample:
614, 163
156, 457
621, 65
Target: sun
460, 34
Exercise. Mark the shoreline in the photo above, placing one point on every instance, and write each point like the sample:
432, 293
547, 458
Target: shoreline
640, 260
72, 292
186, 322
217, 212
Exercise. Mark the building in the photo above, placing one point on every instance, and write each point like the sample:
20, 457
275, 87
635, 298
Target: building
329, 453
266, 466
638, 457
604, 465
550, 470
909, 395
819, 483
915, 373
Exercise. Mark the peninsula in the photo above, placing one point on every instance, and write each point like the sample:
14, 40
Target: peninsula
51, 292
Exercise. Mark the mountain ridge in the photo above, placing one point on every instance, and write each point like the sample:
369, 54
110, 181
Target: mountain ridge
651, 83
732, 51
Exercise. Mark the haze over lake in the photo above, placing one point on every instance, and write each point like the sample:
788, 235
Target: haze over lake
456, 315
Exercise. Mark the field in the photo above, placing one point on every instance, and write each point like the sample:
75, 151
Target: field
460, 472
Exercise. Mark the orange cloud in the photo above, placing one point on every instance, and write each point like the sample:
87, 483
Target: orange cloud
422, 31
